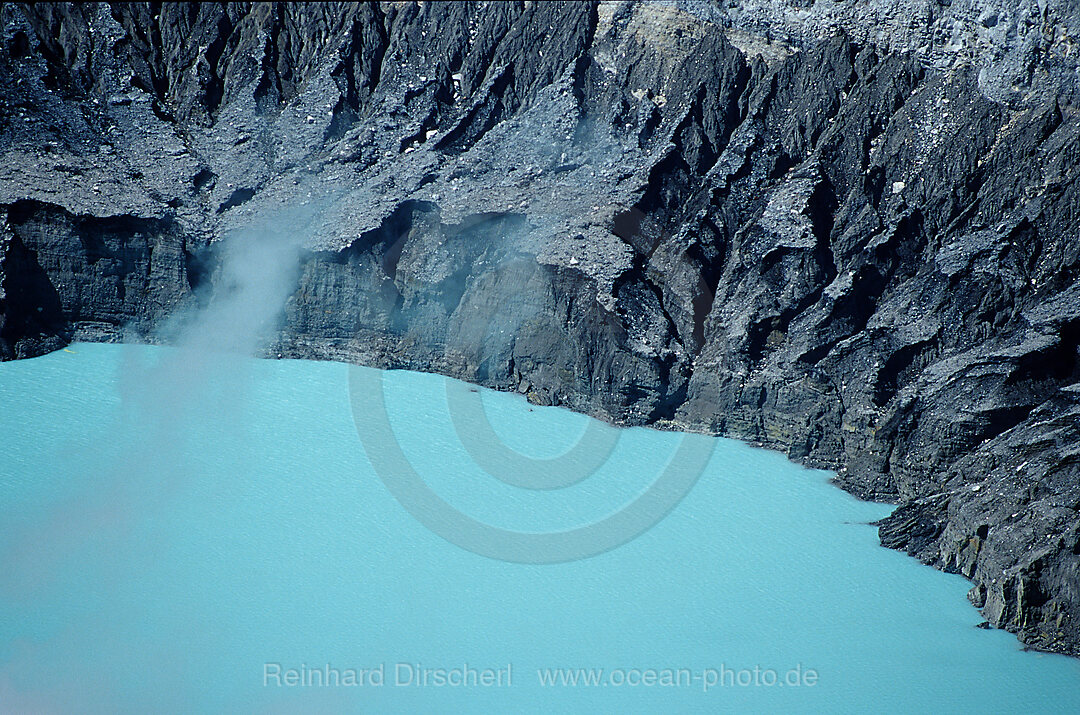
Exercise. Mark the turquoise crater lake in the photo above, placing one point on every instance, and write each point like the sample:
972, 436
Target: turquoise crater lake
181, 533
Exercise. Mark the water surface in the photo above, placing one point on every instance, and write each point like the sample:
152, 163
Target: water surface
175, 528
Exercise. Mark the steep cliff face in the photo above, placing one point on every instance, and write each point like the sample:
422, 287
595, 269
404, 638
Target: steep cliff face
853, 241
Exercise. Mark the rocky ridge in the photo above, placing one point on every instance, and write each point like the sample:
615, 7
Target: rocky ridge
845, 231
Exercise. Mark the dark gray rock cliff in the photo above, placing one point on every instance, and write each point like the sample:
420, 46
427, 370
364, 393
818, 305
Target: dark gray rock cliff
847, 231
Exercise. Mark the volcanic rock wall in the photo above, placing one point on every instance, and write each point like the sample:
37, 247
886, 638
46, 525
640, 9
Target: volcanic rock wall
842, 230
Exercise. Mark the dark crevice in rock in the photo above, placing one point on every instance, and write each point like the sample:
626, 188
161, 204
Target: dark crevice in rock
32, 303
899, 368
203, 180
236, 198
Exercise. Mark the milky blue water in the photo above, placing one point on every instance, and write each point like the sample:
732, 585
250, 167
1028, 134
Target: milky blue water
178, 532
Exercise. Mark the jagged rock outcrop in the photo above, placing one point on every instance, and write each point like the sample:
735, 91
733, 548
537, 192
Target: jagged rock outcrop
852, 241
